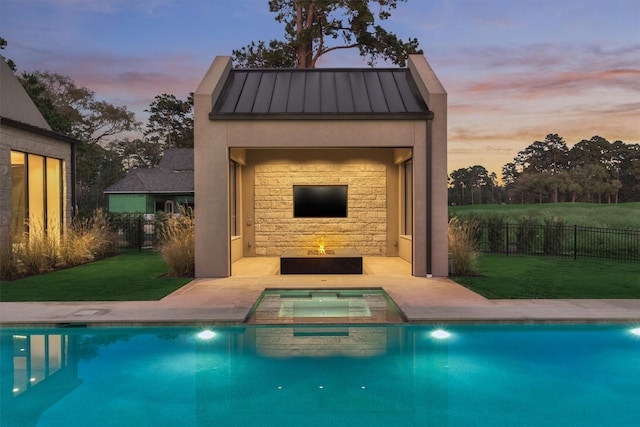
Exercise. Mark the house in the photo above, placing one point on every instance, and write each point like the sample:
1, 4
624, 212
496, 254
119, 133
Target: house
37, 166
150, 190
290, 159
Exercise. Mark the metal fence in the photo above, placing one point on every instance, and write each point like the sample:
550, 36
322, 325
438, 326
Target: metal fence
134, 234
559, 240
510, 239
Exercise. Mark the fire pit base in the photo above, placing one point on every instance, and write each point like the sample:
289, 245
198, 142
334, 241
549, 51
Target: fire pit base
335, 261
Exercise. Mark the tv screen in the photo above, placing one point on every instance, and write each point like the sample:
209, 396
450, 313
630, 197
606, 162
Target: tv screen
320, 201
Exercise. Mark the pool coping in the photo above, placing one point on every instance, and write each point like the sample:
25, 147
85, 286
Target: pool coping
227, 301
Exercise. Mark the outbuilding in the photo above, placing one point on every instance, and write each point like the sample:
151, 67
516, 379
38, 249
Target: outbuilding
321, 159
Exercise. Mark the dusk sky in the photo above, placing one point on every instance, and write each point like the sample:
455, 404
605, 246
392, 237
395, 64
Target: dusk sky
514, 70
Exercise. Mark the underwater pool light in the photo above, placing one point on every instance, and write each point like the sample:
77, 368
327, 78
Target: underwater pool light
206, 334
636, 331
440, 334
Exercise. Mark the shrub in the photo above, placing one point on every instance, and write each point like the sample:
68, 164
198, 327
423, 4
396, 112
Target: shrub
554, 231
462, 248
526, 234
496, 226
8, 263
177, 243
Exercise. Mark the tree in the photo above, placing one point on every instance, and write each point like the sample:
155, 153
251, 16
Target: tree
74, 110
628, 169
171, 121
314, 28
97, 168
137, 153
547, 158
57, 118
10, 63
473, 184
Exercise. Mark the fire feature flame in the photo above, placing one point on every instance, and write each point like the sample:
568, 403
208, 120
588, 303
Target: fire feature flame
320, 242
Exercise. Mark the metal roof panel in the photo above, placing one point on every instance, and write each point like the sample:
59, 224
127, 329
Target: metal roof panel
264, 95
335, 93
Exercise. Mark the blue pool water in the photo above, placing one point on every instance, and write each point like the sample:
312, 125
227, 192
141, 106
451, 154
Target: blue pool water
346, 375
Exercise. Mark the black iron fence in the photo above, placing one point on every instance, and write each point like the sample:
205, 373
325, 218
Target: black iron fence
559, 240
134, 234
140, 234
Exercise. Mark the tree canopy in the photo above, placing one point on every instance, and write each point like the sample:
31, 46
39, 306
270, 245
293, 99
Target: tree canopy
593, 170
74, 110
10, 63
314, 28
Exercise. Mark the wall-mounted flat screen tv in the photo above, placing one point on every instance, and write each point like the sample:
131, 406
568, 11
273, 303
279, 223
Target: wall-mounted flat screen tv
320, 201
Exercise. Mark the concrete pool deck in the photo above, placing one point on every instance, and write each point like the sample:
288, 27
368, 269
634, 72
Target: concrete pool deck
229, 301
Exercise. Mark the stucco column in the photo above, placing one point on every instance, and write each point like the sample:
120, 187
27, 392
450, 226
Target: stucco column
436, 98
211, 185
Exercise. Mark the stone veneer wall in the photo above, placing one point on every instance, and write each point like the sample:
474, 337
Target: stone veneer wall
364, 229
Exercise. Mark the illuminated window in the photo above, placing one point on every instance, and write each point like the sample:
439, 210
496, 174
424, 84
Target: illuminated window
407, 198
18, 193
36, 194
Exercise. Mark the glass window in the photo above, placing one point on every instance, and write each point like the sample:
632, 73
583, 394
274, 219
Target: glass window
35, 181
18, 193
54, 196
168, 206
36, 194
407, 197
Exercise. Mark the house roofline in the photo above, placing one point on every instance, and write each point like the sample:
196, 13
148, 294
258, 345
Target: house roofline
321, 116
35, 129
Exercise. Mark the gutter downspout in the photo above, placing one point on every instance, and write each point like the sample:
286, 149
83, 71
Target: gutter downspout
429, 212
74, 207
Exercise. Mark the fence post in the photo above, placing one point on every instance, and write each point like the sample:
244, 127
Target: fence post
575, 241
140, 234
507, 238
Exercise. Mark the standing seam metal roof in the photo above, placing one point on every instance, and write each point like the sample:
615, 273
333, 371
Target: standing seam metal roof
319, 93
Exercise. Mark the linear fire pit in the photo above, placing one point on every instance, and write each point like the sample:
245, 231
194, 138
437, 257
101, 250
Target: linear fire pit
335, 261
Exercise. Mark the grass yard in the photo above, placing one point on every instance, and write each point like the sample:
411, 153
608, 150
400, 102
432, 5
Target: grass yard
620, 216
521, 277
128, 277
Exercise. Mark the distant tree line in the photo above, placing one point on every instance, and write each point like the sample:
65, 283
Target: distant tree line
593, 170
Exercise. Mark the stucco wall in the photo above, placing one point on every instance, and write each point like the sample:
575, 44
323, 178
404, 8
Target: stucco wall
366, 225
128, 203
20, 140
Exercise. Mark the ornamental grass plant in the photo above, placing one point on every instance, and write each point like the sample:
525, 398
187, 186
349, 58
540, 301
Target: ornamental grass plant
38, 251
177, 242
462, 247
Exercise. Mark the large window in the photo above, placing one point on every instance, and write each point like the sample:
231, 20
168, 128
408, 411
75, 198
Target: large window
407, 198
36, 194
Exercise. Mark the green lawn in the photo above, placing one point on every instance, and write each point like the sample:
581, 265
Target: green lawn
127, 277
622, 215
546, 277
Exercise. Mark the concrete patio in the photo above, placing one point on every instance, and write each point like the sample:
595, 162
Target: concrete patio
228, 301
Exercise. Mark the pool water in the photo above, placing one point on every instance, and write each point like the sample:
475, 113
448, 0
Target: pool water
320, 375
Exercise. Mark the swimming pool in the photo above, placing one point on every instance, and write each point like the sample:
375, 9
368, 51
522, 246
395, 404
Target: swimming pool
338, 375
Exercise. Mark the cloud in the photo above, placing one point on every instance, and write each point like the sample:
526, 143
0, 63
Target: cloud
109, 6
544, 85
